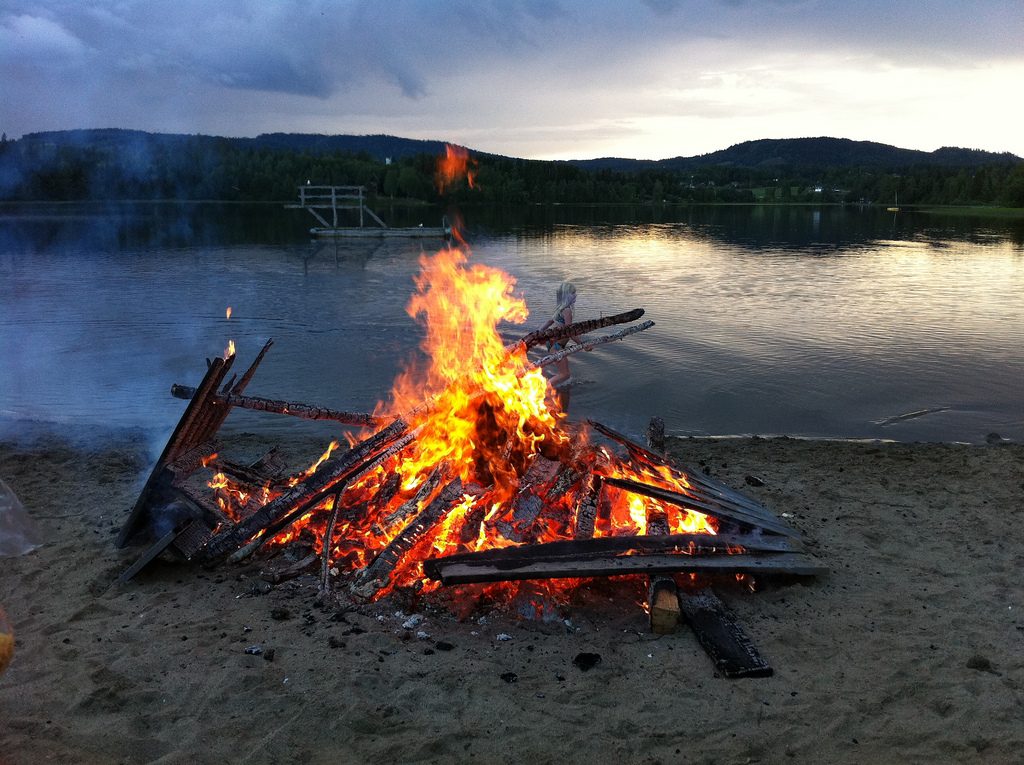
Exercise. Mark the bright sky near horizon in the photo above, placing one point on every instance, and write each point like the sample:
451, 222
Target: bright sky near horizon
547, 79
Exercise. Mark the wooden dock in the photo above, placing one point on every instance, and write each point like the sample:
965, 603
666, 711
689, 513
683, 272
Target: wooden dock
320, 199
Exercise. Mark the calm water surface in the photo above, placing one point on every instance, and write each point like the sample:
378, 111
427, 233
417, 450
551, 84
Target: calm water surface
808, 322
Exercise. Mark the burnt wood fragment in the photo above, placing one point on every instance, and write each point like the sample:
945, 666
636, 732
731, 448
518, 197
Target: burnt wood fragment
722, 637
586, 513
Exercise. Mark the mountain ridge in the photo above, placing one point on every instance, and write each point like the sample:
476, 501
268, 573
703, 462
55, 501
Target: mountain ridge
821, 151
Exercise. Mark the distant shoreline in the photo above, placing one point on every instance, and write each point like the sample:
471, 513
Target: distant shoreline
972, 210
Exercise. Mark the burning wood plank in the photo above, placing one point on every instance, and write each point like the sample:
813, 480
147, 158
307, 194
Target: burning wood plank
290, 516
586, 513
702, 485
308, 493
376, 576
688, 502
413, 504
569, 550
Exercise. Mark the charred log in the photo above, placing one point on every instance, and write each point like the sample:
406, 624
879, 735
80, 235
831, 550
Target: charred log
277, 406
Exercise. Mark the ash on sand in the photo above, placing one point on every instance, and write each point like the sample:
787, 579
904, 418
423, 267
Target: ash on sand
909, 651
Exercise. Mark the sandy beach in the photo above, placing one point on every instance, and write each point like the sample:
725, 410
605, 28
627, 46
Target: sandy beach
909, 651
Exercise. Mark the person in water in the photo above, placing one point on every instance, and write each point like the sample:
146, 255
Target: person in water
565, 299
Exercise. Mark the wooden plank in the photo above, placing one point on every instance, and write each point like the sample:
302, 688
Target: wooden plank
151, 554
793, 564
602, 547
686, 501
722, 637
590, 344
180, 442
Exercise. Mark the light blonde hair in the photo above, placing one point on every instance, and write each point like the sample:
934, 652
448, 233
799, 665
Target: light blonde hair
565, 296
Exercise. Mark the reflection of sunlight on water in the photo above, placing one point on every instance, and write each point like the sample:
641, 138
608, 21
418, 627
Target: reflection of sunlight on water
763, 325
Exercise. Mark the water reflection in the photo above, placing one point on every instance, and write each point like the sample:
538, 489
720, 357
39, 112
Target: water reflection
790, 320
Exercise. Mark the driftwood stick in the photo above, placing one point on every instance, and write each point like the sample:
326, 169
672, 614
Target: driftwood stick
377, 575
277, 406
328, 540
576, 329
247, 377
551, 358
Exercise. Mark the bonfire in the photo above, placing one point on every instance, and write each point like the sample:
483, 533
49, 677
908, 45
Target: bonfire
468, 472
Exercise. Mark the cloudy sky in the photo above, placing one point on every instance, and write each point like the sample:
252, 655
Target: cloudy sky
530, 78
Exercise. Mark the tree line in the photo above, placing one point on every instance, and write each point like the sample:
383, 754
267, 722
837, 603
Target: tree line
210, 168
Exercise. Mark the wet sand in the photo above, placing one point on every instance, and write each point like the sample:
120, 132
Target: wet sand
909, 651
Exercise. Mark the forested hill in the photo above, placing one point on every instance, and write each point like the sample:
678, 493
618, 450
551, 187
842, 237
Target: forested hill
811, 153
129, 164
377, 146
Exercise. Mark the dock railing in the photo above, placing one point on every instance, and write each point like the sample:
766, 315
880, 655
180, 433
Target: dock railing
334, 198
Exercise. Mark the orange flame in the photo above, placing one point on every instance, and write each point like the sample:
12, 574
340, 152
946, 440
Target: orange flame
453, 166
230, 350
227, 313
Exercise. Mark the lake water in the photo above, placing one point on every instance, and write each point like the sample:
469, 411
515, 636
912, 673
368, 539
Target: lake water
826, 322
